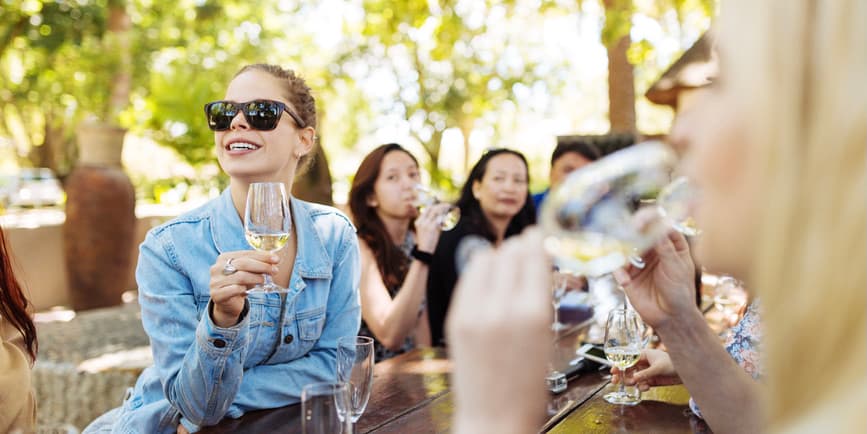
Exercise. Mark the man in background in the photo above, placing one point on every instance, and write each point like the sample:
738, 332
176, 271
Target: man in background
571, 153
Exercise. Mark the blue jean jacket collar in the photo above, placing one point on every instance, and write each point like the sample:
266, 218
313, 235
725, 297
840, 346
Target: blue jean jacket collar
312, 262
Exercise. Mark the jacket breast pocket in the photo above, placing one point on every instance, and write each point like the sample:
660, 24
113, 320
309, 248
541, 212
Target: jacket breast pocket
310, 323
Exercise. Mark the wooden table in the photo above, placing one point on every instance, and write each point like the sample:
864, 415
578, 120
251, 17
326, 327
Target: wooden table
411, 395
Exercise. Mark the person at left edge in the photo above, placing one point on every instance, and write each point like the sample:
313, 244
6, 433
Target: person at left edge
219, 352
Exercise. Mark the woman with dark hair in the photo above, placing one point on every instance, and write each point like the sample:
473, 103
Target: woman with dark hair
395, 243
495, 204
18, 351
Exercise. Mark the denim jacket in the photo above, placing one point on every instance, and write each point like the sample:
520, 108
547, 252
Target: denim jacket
203, 372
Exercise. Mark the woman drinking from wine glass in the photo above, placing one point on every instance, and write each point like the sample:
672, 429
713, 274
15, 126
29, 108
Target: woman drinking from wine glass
495, 204
777, 150
17, 351
396, 243
219, 352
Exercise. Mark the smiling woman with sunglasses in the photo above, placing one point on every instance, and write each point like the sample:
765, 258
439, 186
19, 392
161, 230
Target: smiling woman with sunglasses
219, 352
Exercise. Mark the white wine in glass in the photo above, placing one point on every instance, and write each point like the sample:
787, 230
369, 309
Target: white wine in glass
624, 338
267, 223
424, 198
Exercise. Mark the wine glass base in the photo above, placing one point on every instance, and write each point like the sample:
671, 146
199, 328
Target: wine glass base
622, 398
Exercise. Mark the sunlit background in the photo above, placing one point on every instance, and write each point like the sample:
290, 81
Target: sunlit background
446, 78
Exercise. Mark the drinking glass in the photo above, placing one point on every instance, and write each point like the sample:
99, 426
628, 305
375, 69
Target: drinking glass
324, 409
267, 223
612, 211
624, 338
355, 368
425, 197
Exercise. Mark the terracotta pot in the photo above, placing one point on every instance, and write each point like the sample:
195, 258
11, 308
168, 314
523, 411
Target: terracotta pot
100, 220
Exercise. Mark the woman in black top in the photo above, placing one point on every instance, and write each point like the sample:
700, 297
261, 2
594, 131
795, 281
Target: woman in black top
495, 204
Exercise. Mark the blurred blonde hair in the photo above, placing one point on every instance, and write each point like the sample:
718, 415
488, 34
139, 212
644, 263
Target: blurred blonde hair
799, 70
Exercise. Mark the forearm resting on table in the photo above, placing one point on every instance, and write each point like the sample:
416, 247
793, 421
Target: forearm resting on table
728, 396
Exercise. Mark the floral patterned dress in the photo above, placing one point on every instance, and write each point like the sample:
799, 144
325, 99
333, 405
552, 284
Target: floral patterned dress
744, 345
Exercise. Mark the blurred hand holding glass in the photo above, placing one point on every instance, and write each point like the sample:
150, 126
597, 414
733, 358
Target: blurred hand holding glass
615, 209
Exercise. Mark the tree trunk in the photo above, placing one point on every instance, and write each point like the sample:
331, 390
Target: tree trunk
621, 88
118, 42
466, 130
433, 153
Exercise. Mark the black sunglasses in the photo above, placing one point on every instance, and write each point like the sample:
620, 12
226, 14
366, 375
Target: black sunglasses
261, 114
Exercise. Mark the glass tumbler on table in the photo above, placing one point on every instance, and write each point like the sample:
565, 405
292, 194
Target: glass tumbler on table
325, 409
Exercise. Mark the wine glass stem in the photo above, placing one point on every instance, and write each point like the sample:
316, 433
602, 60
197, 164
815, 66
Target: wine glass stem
556, 314
623, 382
268, 282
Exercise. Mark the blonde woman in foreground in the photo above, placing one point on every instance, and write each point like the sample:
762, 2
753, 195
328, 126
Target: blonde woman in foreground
778, 150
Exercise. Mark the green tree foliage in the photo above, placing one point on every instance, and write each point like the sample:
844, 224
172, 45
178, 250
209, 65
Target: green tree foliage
453, 62
624, 53
59, 62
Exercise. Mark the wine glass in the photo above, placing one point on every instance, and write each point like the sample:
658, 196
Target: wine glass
267, 223
355, 368
425, 197
558, 290
624, 338
607, 213
325, 408
555, 379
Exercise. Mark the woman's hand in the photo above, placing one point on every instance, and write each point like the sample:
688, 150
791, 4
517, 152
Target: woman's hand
428, 226
665, 288
654, 368
228, 291
499, 338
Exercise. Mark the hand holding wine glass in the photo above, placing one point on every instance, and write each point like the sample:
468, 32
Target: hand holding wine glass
425, 198
267, 223
665, 287
612, 211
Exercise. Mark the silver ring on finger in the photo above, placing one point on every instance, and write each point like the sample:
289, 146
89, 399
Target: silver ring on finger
229, 269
